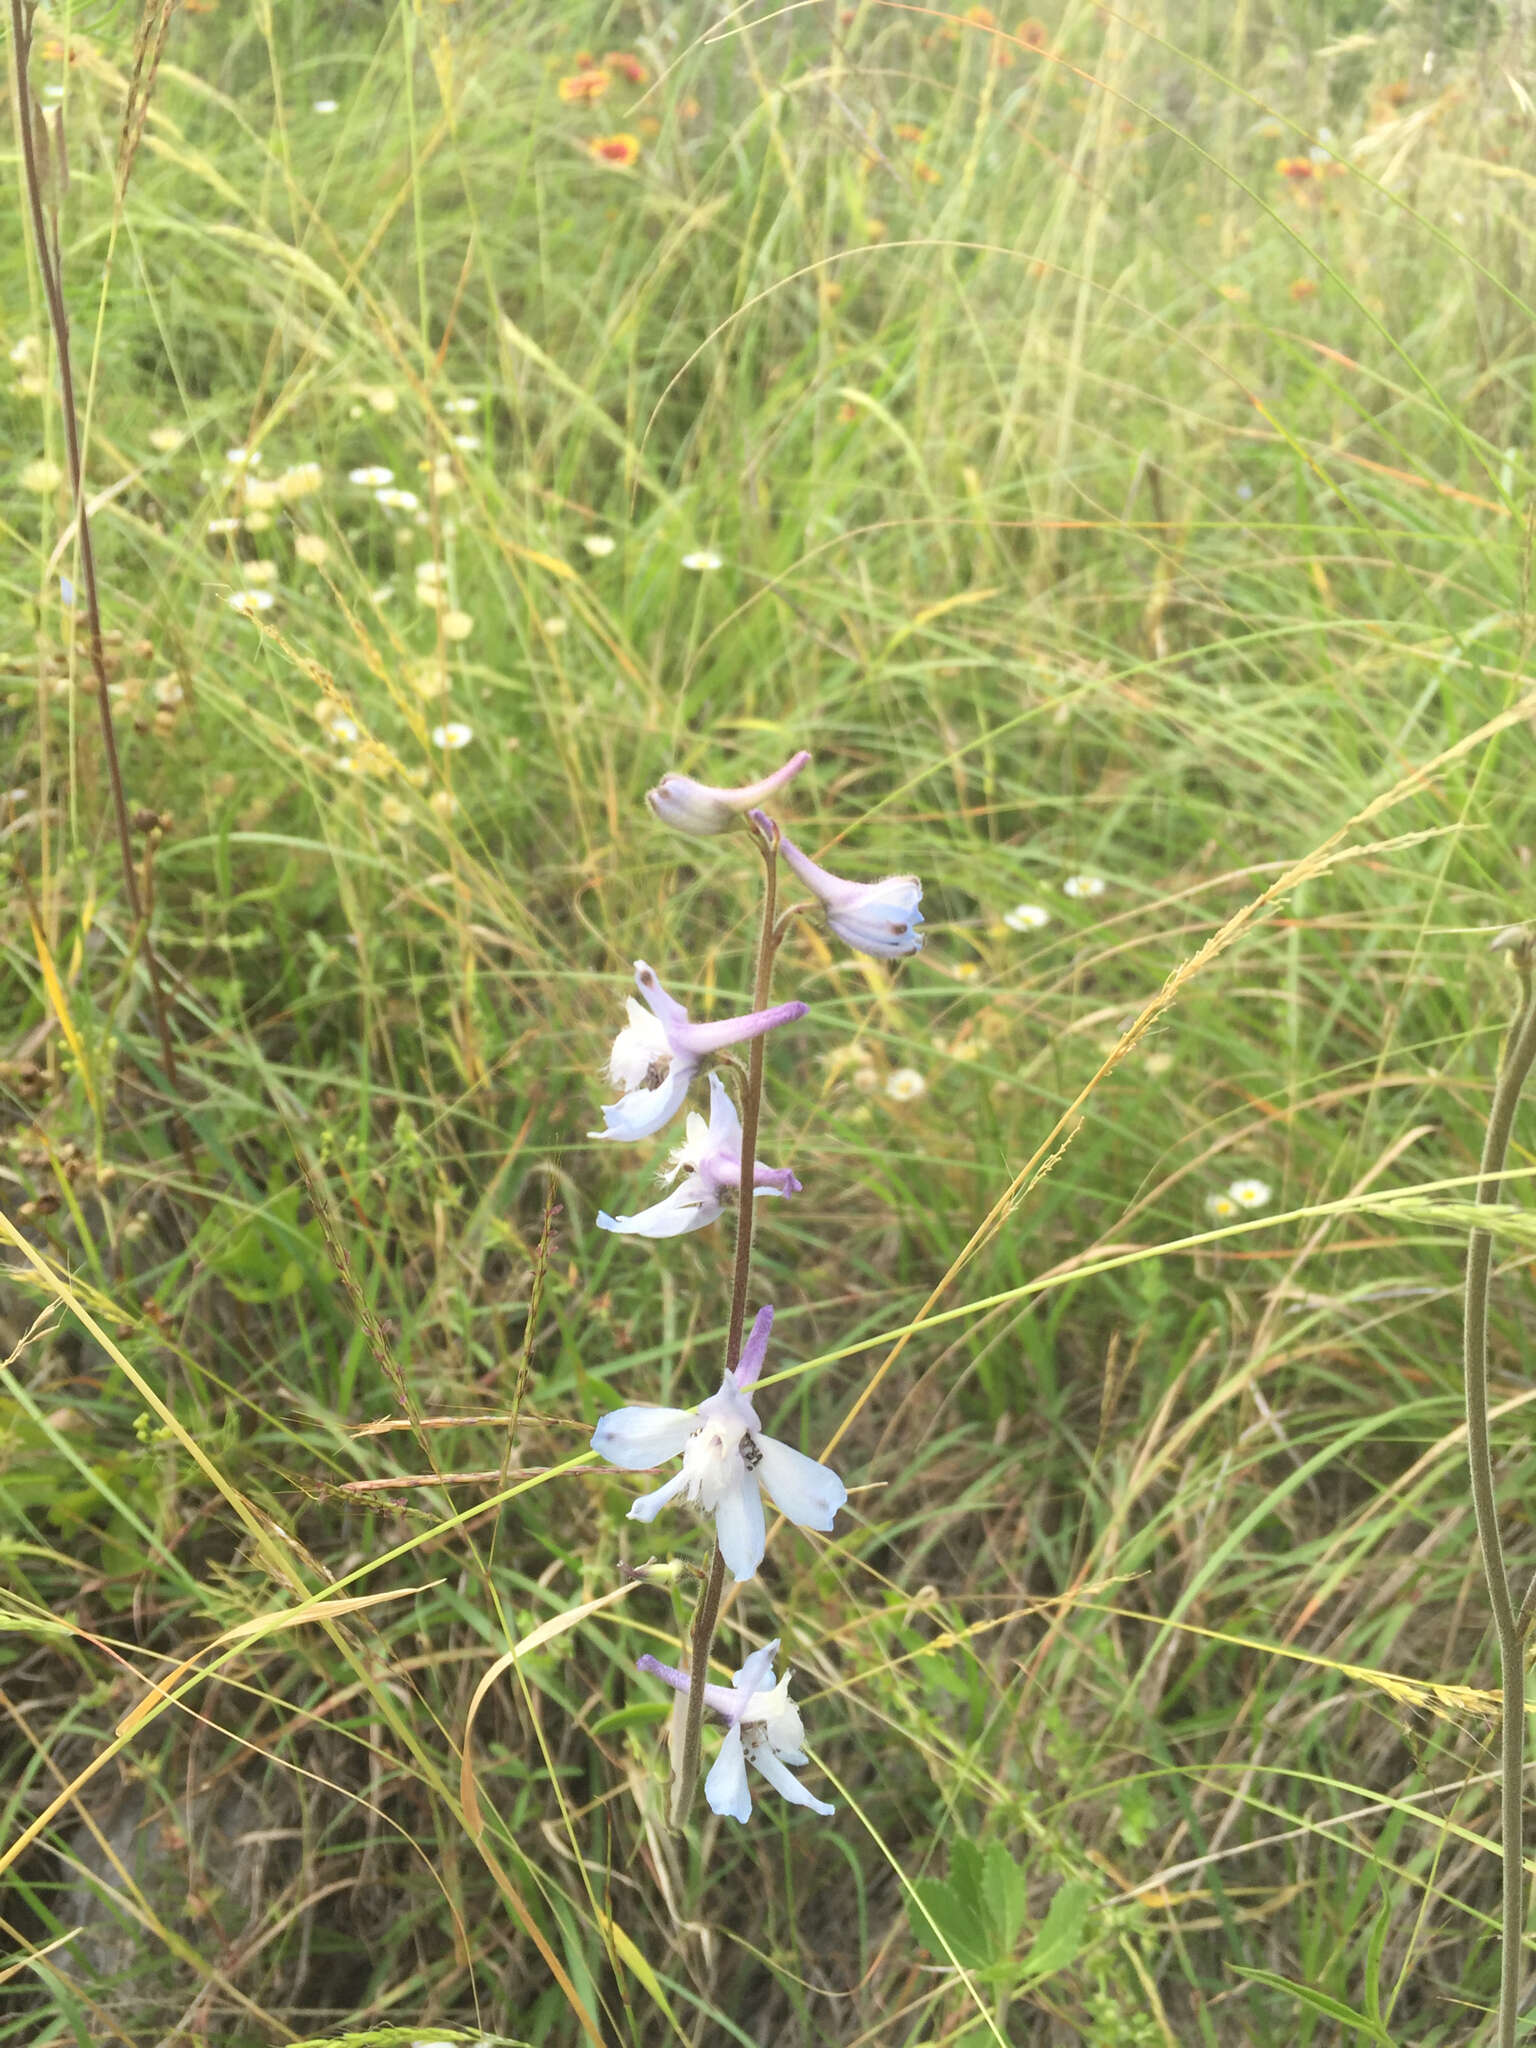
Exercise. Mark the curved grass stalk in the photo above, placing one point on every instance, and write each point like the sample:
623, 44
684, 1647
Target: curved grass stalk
1519, 1054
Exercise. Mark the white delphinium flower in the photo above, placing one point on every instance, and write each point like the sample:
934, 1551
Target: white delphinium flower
880, 918
702, 560
1083, 885
452, 736
1027, 917
1250, 1194
657, 1054
905, 1085
710, 1157
373, 478
698, 807
763, 1728
728, 1464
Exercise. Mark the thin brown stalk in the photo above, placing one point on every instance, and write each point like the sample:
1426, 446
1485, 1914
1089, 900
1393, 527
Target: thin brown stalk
688, 1724
45, 239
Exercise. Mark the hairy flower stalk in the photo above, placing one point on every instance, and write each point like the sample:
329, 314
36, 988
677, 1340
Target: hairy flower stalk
688, 1728
1520, 1053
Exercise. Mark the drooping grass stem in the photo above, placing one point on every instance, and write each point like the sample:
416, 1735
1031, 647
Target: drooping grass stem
43, 210
688, 1748
1519, 1054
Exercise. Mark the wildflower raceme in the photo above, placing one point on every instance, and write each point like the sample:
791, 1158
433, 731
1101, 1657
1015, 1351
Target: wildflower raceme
727, 1467
657, 1054
728, 1464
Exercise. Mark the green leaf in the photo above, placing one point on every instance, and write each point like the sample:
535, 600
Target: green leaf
1062, 1932
941, 1917
1319, 2001
1005, 1896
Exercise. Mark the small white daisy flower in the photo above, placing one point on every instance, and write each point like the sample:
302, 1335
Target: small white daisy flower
300, 480
383, 398
431, 572
1026, 917
1250, 1194
1221, 1208
461, 405
468, 442
342, 728
703, 559
166, 440
326, 106
905, 1085
249, 602
452, 736
373, 478
394, 499
242, 458
598, 544
1083, 885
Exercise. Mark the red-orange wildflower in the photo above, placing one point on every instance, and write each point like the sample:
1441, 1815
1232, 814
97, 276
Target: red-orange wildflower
619, 151
1303, 288
582, 86
1031, 34
627, 65
1297, 168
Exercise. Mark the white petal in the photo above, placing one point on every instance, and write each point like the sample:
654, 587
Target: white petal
648, 1506
756, 1675
740, 1530
639, 1439
726, 1787
785, 1782
645, 1111
689, 1207
810, 1494
724, 1123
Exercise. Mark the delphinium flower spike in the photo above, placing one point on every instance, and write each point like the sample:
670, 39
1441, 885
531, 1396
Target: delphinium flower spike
728, 1464
763, 1728
880, 918
710, 1155
689, 806
657, 1054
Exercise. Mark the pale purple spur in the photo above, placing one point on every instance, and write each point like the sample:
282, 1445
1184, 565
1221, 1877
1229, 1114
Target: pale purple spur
689, 806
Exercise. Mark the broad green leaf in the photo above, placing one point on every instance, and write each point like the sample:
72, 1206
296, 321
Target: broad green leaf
1062, 1932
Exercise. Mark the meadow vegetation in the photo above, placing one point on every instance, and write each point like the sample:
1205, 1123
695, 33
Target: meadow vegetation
1105, 443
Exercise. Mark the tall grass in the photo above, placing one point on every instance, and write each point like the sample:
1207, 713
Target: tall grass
1093, 498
